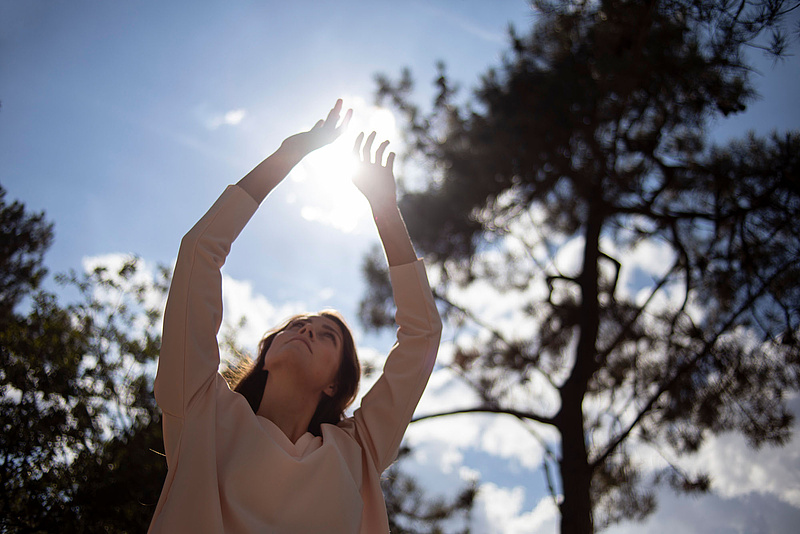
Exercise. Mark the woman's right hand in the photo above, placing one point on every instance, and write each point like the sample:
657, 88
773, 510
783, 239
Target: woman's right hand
323, 133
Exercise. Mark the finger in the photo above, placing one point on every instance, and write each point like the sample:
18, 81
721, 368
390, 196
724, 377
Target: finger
368, 147
380, 151
390, 160
333, 114
357, 146
347, 116
319, 124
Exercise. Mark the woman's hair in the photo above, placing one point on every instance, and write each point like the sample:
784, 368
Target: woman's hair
251, 381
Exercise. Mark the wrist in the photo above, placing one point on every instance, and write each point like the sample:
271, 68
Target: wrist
289, 155
384, 208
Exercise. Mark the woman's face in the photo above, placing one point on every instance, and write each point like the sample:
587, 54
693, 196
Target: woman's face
310, 348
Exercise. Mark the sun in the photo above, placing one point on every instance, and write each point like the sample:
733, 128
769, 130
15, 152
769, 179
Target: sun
327, 194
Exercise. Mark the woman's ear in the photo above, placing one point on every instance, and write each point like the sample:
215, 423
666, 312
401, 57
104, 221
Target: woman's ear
330, 391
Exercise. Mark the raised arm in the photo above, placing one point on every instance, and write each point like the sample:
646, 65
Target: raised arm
269, 173
377, 183
189, 353
387, 409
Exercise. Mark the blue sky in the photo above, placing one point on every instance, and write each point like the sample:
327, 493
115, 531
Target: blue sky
124, 121
109, 109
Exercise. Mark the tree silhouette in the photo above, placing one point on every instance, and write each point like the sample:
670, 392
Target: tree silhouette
592, 137
76, 389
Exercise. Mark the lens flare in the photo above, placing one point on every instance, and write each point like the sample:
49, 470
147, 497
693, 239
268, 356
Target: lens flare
326, 193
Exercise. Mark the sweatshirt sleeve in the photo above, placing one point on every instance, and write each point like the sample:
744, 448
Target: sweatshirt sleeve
387, 409
189, 356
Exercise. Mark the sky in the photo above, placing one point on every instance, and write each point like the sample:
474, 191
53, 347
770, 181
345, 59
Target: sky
124, 121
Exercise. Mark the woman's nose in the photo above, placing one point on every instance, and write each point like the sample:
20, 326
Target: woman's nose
307, 330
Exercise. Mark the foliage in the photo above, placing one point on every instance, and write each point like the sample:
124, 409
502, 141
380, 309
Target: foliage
76, 387
411, 511
25, 237
592, 135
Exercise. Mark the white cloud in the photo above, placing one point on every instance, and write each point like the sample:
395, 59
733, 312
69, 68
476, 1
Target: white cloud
445, 392
239, 301
214, 119
326, 293
441, 445
738, 470
500, 510
752, 514
233, 116
339, 217
569, 257
753, 490
506, 438
652, 256
440, 434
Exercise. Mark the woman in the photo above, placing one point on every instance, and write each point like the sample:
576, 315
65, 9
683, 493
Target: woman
251, 462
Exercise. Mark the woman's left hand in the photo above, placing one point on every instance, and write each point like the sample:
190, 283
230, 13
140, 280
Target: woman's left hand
374, 179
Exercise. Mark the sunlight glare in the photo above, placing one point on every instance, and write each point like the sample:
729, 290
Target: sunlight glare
326, 193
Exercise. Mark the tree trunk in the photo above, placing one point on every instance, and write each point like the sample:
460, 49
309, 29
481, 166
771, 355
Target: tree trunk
576, 476
576, 473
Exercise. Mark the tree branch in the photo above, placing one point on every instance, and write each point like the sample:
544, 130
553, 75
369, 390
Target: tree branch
491, 409
499, 336
683, 370
548, 452
603, 355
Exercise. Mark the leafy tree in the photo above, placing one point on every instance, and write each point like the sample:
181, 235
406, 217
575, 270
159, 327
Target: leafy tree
24, 240
75, 386
593, 133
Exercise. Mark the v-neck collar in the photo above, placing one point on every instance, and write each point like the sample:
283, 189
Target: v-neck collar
296, 450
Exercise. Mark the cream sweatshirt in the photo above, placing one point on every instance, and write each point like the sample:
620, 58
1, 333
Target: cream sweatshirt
233, 471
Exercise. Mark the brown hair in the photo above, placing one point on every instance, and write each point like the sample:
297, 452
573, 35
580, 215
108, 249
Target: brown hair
251, 381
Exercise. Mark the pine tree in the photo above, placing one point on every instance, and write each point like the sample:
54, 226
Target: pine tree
593, 135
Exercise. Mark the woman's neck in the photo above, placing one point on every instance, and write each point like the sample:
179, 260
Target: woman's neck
289, 407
